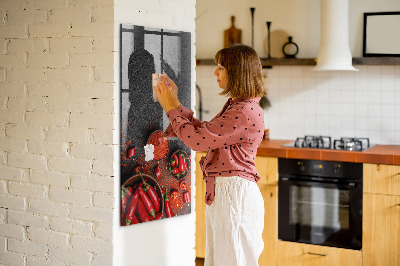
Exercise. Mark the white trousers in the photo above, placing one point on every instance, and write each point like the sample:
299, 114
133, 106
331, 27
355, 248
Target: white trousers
234, 223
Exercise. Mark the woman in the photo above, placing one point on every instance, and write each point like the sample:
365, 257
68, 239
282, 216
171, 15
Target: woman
235, 207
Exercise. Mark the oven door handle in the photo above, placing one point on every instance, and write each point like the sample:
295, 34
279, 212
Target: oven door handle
329, 184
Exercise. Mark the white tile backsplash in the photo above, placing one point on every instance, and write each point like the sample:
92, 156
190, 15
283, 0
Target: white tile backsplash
364, 103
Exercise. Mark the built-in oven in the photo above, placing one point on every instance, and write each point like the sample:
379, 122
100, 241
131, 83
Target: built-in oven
320, 202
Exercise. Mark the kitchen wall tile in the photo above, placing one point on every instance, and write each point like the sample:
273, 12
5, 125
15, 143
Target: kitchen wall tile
322, 109
348, 132
297, 83
388, 97
374, 123
374, 110
310, 109
347, 109
387, 71
388, 84
389, 136
322, 121
322, 95
361, 97
361, 125
397, 133
348, 95
388, 124
388, 110
335, 95
347, 122
310, 95
397, 71
361, 110
374, 97
297, 72
375, 136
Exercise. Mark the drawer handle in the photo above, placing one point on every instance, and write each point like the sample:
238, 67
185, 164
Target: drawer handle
318, 254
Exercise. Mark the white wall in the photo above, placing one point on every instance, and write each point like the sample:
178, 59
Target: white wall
298, 18
168, 241
337, 104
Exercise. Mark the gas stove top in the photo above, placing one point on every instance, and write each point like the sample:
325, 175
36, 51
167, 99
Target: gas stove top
325, 142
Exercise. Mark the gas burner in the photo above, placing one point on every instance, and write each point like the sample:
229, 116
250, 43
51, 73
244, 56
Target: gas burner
351, 144
321, 142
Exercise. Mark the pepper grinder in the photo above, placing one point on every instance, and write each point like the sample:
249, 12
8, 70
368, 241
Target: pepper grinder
252, 9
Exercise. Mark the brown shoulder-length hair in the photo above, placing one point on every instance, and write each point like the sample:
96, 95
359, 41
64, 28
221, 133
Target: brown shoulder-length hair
245, 78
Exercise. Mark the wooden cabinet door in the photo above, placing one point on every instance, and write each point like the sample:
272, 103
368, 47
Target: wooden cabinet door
270, 233
381, 179
298, 254
200, 209
381, 230
267, 168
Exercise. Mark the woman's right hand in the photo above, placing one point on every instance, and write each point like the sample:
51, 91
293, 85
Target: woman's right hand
174, 90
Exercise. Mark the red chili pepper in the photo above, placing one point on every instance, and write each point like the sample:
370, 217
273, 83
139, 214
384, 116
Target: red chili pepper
175, 158
181, 166
159, 215
152, 195
176, 170
147, 202
186, 197
131, 152
138, 169
130, 217
125, 195
157, 171
174, 194
168, 211
173, 163
184, 162
182, 185
143, 215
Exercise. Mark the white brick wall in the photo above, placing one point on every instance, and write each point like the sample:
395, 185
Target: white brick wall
56, 122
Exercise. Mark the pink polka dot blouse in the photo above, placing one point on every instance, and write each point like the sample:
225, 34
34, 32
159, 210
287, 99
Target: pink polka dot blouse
231, 139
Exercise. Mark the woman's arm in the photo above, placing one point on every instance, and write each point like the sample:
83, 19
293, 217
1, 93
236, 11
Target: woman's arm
225, 130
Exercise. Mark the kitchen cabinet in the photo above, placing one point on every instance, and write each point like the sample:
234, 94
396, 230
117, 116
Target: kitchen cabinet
381, 215
267, 167
270, 233
298, 254
381, 179
381, 230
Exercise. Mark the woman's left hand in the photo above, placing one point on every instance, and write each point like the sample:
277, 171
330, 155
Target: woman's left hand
163, 91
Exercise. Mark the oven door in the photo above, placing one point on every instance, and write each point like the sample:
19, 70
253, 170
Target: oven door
321, 212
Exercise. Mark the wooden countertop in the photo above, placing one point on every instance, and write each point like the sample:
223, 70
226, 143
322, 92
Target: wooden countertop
379, 154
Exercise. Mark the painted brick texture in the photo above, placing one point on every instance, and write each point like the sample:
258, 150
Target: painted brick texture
56, 127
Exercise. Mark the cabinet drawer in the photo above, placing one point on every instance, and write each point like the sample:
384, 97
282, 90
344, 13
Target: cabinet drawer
381, 179
294, 254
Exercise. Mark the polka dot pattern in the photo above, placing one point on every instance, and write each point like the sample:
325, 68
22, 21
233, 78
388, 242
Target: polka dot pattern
231, 138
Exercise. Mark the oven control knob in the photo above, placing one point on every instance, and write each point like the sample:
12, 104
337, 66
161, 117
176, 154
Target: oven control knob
336, 169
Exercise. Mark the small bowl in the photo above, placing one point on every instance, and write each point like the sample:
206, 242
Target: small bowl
172, 158
160, 149
137, 178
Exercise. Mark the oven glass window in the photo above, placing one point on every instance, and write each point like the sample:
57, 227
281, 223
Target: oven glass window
318, 207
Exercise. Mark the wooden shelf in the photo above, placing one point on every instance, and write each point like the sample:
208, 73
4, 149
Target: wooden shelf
312, 61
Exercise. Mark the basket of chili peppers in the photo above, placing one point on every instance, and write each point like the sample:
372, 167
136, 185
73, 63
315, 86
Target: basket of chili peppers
141, 200
179, 164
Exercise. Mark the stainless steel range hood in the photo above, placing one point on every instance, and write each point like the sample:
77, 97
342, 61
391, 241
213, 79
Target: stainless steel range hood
334, 52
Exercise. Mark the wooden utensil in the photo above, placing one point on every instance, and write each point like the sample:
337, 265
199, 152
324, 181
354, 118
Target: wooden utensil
232, 35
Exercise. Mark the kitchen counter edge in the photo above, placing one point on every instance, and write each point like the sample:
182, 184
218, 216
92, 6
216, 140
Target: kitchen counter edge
379, 154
